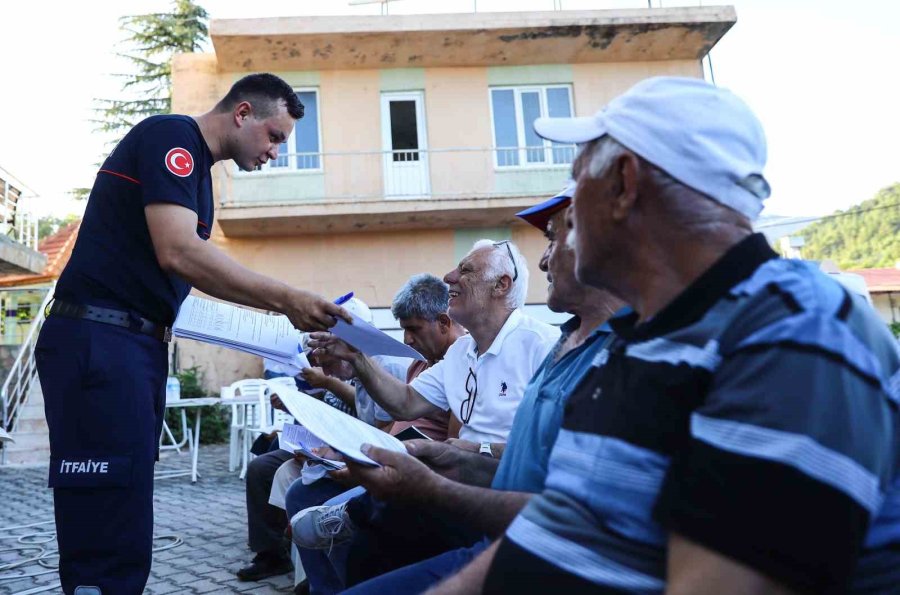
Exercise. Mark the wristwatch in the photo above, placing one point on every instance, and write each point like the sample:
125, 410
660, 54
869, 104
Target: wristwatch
485, 449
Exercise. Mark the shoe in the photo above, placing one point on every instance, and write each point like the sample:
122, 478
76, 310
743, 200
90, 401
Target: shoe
264, 565
321, 527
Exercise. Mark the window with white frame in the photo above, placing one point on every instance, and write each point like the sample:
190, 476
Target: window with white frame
302, 149
513, 112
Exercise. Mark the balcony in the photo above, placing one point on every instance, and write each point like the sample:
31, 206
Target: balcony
380, 190
18, 230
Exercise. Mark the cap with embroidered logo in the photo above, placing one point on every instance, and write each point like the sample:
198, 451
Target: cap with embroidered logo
704, 136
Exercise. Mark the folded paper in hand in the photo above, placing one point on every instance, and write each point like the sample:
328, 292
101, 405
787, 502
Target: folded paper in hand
338, 430
372, 341
295, 438
239, 328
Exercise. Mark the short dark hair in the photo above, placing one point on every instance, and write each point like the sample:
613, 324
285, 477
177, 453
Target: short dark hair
263, 91
423, 296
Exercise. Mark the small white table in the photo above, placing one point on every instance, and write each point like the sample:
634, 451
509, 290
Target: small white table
193, 437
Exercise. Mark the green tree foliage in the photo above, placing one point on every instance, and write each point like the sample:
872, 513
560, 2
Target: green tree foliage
152, 40
864, 236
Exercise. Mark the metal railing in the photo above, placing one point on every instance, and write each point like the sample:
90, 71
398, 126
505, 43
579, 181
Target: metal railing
14, 393
467, 172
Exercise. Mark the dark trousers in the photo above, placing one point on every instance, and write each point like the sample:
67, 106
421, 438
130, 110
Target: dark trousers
421, 576
401, 535
265, 523
104, 397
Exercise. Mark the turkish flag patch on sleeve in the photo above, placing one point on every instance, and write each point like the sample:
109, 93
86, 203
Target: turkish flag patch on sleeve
180, 162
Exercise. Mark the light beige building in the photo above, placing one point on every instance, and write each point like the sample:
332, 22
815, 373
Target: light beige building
417, 139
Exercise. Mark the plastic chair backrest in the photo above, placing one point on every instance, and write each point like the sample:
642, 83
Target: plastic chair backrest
276, 417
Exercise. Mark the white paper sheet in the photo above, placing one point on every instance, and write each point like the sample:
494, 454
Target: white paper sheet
5, 437
238, 328
335, 428
296, 438
372, 341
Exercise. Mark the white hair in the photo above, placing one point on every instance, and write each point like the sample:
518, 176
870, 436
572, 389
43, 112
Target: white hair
686, 208
499, 264
605, 152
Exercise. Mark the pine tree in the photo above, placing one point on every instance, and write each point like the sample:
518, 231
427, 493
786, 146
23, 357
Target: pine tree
152, 40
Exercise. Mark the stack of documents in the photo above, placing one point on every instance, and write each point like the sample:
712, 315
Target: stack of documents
297, 439
274, 337
238, 328
338, 430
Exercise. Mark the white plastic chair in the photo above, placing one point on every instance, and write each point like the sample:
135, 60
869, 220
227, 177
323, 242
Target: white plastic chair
244, 416
277, 417
271, 419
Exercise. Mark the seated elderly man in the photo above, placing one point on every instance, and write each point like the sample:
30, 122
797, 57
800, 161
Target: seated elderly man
266, 521
741, 435
483, 376
462, 492
420, 307
270, 474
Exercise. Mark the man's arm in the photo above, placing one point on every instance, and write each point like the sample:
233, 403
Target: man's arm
403, 477
497, 448
469, 580
696, 570
318, 379
396, 397
173, 229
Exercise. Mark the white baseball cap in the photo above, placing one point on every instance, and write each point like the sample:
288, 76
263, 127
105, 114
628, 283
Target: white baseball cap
703, 136
358, 307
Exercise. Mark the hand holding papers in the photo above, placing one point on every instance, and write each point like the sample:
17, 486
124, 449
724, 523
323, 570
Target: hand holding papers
371, 341
297, 439
238, 328
336, 429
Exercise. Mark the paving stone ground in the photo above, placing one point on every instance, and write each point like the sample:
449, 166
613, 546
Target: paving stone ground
210, 516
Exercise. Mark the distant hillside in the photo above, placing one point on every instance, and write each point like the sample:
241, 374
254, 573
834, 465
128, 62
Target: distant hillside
864, 236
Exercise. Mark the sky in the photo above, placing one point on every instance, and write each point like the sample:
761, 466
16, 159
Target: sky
812, 70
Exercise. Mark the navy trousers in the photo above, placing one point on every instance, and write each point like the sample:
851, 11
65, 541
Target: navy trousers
104, 397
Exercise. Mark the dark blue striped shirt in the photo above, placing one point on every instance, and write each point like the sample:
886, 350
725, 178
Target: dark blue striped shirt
757, 415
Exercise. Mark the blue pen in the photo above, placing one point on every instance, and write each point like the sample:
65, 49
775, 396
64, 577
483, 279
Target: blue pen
343, 298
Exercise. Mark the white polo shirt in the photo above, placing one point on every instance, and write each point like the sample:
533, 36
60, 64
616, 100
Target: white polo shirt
502, 372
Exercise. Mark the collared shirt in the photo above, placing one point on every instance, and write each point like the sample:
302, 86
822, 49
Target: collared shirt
523, 467
757, 415
501, 374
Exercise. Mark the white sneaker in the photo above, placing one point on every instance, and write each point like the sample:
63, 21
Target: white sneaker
321, 527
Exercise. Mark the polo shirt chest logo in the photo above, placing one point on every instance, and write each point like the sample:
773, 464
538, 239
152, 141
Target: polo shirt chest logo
503, 389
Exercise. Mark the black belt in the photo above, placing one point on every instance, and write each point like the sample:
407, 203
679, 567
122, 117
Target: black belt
132, 322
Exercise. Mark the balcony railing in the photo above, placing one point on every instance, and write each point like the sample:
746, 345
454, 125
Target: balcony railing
451, 173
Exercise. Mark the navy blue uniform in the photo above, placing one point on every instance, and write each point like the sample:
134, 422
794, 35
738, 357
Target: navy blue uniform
104, 386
